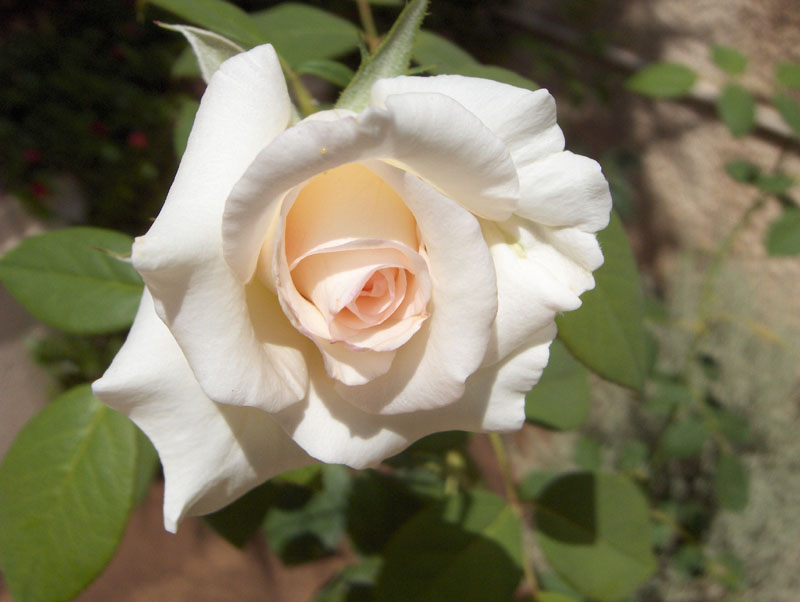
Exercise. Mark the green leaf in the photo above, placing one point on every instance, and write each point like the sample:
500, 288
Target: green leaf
662, 80
607, 332
66, 281
789, 110
331, 71
690, 560
777, 183
667, 396
783, 236
440, 56
390, 59
587, 454
302, 33
554, 597
219, 16
313, 529
379, 504
562, 398
733, 426
210, 49
737, 109
730, 60
788, 74
353, 584
534, 482
239, 520
731, 482
633, 456
185, 65
684, 438
67, 488
187, 109
594, 531
304, 476
742, 170
467, 548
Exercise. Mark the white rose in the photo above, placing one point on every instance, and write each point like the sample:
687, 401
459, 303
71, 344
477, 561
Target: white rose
334, 290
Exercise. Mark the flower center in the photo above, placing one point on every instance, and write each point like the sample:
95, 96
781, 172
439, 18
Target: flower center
355, 261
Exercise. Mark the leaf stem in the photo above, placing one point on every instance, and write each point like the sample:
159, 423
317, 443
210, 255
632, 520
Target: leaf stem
305, 101
503, 463
371, 36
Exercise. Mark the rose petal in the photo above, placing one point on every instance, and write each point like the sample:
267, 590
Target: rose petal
344, 204
565, 189
524, 120
430, 370
334, 431
180, 258
344, 361
211, 453
430, 134
529, 294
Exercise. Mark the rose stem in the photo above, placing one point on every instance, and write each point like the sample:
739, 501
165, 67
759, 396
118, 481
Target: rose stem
503, 463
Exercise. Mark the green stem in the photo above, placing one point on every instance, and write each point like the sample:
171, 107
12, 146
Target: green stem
305, 101
503, 463
371, 36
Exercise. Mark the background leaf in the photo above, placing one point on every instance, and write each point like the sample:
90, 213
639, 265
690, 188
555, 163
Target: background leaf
238, 521
730, 60
607, 332
783, 236
438, 55
594, 530
315, 527
737, 109
662, 80
788, 74
789, 110
684, 438
742, 170
210, 49
467, 548
219, 16
731, 482
67, 486
66, 281
562, 398
331, 71
301, 33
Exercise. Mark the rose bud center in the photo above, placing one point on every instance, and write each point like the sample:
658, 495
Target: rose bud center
357, 266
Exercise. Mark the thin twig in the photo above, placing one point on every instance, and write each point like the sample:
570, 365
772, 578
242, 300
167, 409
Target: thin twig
371, 36
305, 100
499, 448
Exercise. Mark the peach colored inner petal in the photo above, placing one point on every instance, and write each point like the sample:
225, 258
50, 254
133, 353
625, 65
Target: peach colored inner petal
353, 253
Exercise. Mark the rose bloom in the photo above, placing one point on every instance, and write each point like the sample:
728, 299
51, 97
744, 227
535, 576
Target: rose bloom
336, 289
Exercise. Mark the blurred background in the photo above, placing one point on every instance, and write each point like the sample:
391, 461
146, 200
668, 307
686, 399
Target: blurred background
95, 106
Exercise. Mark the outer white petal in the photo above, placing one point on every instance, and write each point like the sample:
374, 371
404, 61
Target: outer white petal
524, 120
529, 293
565, 190
245, 106
211, 453
430, 370
428, 134
334, 431
541, 272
